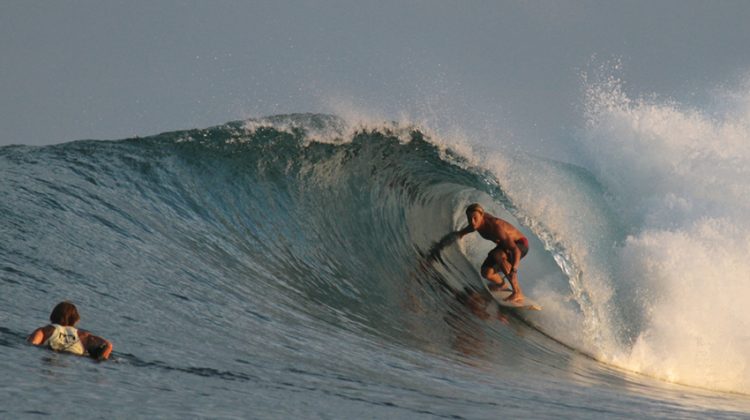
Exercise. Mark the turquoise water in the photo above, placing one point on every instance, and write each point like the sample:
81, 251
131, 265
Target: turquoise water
276, 268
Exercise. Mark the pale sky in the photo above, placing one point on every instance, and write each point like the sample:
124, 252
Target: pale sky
74, 70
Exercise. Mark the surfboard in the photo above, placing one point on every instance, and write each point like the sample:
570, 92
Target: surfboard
526, 303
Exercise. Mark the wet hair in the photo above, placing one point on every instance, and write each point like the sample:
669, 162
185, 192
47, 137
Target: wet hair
65, 314
474, 207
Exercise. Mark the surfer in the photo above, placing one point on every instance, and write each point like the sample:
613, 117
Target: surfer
504, 259
62, 335
512, 245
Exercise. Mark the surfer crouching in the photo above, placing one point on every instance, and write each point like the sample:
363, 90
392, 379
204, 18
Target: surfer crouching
62, 335
512, 245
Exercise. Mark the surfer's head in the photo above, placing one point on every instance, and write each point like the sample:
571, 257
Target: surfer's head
65, 314
475, 215
474, 207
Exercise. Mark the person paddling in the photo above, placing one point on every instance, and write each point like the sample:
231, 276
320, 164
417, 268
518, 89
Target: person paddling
63, 336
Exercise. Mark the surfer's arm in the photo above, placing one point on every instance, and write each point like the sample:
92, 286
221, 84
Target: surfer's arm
447, 240
463, 232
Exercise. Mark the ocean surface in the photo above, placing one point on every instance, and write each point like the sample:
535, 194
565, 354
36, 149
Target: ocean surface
280, 268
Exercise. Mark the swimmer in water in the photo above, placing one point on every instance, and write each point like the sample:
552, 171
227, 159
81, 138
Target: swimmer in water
62, 335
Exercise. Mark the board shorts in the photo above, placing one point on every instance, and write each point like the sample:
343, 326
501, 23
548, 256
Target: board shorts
494, 257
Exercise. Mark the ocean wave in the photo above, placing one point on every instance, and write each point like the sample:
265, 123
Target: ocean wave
309, 220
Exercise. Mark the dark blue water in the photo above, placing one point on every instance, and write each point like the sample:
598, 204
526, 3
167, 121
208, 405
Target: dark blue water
255, 271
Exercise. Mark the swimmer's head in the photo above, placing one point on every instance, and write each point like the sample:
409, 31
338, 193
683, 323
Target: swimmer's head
65, 314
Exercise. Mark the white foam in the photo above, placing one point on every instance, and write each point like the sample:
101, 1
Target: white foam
679, 178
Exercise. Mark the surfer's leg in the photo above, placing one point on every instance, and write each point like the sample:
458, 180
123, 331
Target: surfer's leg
505, 266
517, 294
490, 272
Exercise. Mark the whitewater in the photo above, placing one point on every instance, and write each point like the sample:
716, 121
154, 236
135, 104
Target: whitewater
280, 267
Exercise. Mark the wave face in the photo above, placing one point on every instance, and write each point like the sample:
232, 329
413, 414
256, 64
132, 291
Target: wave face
294, 247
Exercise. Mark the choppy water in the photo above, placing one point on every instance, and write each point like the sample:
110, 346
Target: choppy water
275, 268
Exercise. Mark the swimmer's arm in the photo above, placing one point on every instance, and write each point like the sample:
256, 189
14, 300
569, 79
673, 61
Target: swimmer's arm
37, 337
93, 343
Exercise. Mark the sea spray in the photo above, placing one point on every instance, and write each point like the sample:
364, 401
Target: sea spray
679, 179
566, 208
